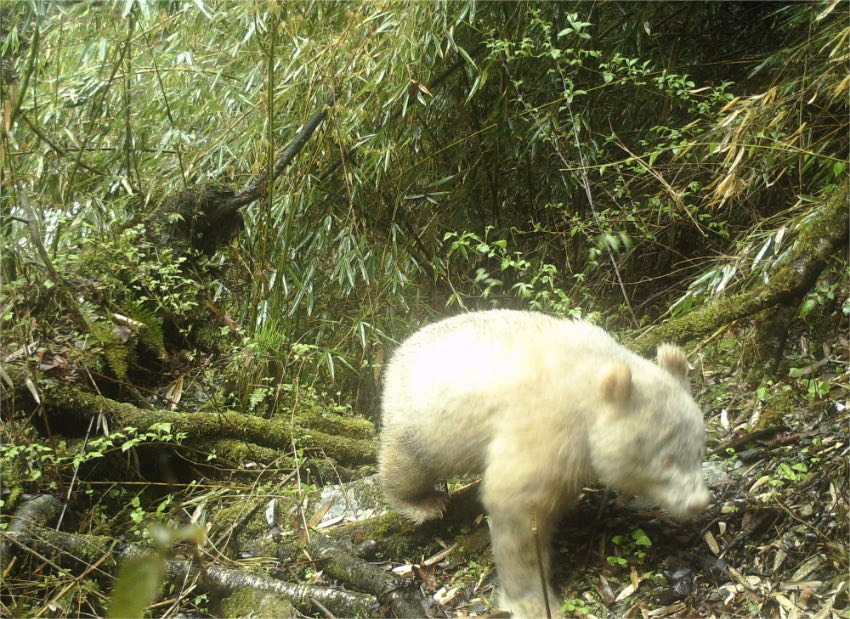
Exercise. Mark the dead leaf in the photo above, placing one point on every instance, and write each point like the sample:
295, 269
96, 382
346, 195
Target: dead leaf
444, 596
805, 596
31, 386
712, 543
50, 361
779, 559
5, 378
174, 392
330, 522
759, 483
403, 570
807, 568
626, 592
665, 611
121, 319
792, 585
316, 518
635, 578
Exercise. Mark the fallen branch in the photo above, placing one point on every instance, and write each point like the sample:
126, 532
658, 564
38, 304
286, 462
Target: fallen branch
361, 575
390, 535
79, 552
341, 603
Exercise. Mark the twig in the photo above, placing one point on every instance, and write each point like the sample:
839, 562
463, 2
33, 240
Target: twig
543, 584
74, 476
752, 436
823, 538
674, 195
322, 608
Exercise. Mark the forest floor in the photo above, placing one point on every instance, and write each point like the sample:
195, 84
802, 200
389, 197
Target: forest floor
306, 530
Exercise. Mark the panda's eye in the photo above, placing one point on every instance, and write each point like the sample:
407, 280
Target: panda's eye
668, 461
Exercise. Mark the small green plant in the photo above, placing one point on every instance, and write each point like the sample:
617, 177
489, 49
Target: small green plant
632, 546
816, 389
617, 561
471, 573
792, 472
575, 606
140, 577
818, 297
140, 516
764, 393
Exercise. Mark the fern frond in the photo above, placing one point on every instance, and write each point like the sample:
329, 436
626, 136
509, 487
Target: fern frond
152, 333
103, 332
116, 356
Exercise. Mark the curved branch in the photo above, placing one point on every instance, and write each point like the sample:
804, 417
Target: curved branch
259, 187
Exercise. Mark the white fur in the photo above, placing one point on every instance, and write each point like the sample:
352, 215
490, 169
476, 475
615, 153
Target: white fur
537, 406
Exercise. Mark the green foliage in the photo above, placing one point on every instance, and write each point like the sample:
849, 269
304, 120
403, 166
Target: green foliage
814, 388
126, 272
576, 607
822, 295
139, 581
632, 546
475, 155
114, 352
535, 285
792, 472
641, 538
35, 459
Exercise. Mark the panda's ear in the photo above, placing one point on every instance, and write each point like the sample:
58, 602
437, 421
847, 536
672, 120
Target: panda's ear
673, 359
616, 384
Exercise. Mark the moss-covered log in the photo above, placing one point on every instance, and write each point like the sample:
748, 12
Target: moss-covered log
819, 239
351, 442
35, 512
